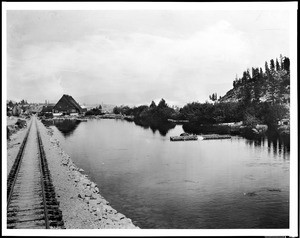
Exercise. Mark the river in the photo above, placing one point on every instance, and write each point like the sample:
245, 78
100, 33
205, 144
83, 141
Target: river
204, 184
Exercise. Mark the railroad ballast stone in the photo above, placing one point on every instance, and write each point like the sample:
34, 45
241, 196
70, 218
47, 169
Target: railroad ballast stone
27, 194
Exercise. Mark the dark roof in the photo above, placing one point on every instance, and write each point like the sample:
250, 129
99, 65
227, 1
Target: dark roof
47, 108
67, 102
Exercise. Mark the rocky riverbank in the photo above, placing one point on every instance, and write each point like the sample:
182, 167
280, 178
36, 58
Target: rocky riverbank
80, 199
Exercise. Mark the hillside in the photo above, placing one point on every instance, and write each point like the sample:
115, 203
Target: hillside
271, 85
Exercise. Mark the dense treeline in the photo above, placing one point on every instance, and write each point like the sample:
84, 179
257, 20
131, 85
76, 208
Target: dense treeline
153, 116
257, 98
153, 112
260, 98
270, 85
95, 111
263, 96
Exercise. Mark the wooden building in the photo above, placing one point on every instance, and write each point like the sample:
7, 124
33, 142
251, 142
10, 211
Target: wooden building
67, 105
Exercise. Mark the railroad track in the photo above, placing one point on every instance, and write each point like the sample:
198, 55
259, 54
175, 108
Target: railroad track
31, 201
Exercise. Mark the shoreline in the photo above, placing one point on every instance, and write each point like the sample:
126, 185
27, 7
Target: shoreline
80, 199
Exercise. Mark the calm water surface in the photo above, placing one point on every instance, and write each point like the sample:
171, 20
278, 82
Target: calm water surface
231, 183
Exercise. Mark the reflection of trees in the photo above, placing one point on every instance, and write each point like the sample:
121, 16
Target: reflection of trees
274, 142
47, 123
162, 127
66, 127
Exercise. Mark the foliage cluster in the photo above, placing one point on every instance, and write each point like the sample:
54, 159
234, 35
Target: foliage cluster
94, 111
260, 99
270, 85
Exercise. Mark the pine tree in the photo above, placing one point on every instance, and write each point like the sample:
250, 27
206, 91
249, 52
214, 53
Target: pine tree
277, 65
246, 94
266, 67
286, 64
261, 74
256, 84
272, 87
152, 105
281, 61
213, 97
235, 82
272, 65
10, 104
162, 103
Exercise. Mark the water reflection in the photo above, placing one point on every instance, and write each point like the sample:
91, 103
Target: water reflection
162, 128
275, 144
195, 184
66, 127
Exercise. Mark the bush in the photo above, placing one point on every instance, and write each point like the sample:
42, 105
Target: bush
21, 123
250, 120
94, 111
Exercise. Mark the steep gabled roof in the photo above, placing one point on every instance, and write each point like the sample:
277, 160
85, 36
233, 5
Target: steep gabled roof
67, 102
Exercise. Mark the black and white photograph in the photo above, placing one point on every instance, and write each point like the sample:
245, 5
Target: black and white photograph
148, 118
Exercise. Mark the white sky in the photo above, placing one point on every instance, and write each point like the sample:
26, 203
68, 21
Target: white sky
134, 57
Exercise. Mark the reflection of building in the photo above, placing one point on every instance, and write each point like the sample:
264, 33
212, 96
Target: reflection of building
66, 126
67, 105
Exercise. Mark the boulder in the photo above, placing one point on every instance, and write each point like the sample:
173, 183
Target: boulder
94, 195
72, 167
81, 194
109, 222
109, 209
88, 193
261, 128
85, 181
254, 130
98, 214
119, 216
87, 200
99, 200
92, 208
94, 202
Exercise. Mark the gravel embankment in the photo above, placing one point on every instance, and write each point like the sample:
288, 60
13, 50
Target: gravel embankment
81, 204
16, 139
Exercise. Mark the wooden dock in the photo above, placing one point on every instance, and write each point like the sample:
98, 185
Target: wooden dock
178, 121
183, 138
215, 137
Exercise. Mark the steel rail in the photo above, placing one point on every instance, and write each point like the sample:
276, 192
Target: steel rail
11, 180
37, 208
